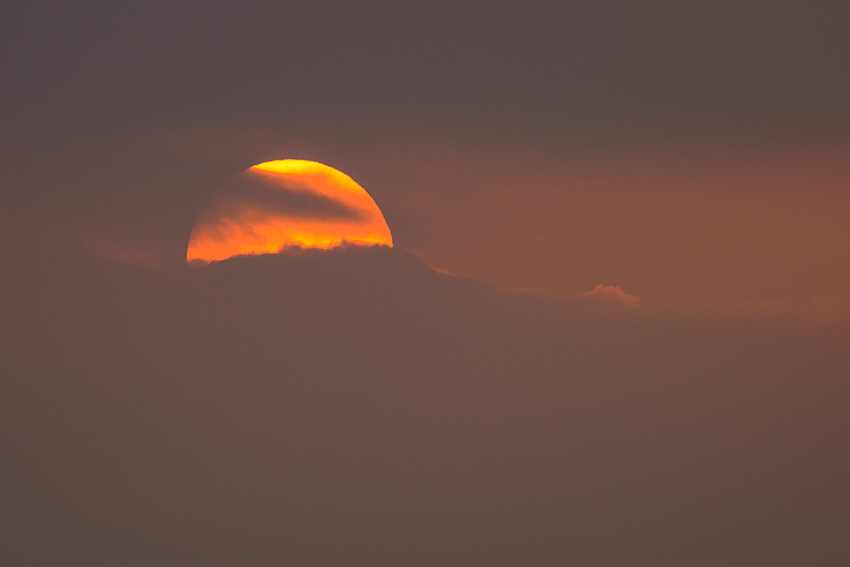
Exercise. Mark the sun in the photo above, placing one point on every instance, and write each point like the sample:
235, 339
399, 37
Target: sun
283, 203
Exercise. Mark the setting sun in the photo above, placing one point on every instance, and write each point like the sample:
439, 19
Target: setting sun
277, 204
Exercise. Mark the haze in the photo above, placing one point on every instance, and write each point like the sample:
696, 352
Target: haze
612, 329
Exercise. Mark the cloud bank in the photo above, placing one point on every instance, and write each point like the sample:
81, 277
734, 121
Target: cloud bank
355, 407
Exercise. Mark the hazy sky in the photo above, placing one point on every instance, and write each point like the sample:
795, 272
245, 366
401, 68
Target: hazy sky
601, 72
362, 407
692, 152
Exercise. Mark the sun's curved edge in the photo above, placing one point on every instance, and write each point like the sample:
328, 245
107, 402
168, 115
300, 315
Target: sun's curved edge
328, 181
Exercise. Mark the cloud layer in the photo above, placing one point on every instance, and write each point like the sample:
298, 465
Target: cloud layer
355, 407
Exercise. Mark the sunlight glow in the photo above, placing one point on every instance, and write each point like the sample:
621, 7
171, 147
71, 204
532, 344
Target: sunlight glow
284, 203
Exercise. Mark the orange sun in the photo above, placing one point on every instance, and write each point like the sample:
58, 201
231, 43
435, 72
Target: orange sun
286, 203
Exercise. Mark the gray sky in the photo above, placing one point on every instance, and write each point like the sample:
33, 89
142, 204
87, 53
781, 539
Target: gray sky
656, 72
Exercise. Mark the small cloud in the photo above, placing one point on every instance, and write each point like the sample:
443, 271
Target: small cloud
613, 293
257, 192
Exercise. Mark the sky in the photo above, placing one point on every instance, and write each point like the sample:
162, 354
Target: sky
612, 329
693, 152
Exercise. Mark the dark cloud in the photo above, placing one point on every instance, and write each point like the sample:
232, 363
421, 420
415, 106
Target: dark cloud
265, 196
354, 407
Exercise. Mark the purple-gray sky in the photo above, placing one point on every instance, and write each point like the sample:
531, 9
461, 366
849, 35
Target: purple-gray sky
361, 408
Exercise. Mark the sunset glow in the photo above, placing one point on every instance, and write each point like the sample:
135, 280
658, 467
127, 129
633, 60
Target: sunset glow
286, 203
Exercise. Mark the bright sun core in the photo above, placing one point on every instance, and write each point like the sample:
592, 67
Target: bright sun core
286, 203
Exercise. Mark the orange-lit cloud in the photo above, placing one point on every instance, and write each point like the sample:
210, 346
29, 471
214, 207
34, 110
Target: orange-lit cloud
612, 293
286, 203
